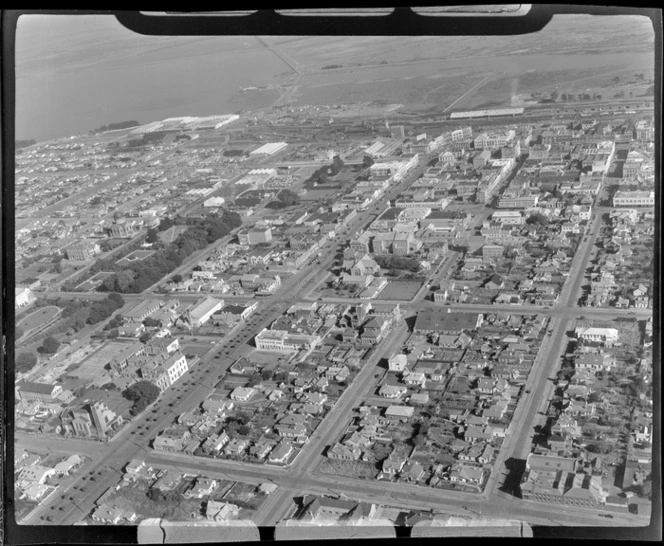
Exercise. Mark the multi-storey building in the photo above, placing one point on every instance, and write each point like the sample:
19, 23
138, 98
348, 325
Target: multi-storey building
281, 340
634, 199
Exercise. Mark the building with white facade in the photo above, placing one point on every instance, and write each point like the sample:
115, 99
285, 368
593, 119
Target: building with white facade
281, 340
269, 148
634, 199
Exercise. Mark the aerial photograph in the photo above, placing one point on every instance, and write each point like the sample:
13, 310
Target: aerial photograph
334, 284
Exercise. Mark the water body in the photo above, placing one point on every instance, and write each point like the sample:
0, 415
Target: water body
75, 73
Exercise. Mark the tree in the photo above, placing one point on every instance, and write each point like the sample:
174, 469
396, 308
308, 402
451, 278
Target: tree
25, 362
537, 219
149, 322
50, 345
145, 337
367, 161
176, 278
166, 223
288, 197
152, 236
142, 394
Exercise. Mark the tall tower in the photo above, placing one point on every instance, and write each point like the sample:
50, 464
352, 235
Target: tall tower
98, 413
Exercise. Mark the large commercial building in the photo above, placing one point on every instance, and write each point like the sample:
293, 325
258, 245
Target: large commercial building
29, 391
269, 148
142, 310
257, 177
281, 340
164, 369
493, 140
486, 113
83, 251
200, 314
634, 199
553, 479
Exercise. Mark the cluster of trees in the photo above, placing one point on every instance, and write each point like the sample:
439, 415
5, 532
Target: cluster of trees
142, 394
50, 346
420, 436
285, 198
234, 153
115, 126
138, 276
537, 219
322, 175
101, 310
146, 139
580, 96
25, 362
397, 262
238, 425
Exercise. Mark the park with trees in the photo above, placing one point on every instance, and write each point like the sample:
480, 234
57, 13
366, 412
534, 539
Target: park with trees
138, 276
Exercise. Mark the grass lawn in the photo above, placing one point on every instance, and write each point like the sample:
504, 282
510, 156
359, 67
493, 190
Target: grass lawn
350, 469
400, 290
39, 317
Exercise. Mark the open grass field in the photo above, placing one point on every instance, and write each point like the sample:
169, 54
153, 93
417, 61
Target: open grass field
39, 318
400, 290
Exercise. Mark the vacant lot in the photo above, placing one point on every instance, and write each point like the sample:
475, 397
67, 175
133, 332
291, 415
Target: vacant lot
351, 469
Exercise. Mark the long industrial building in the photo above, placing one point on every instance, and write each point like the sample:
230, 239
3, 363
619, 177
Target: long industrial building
269, 148
486, 113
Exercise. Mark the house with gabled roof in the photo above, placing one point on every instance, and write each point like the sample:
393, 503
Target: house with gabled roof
467, 475
221, 511
114, 515
412, 471
392, 466
344, 452
281, 452
203, 487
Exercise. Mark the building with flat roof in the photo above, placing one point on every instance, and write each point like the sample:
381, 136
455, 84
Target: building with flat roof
553, 479
487, 113
283, 341
269, 148
634, 199
82, 251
